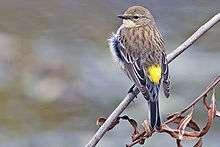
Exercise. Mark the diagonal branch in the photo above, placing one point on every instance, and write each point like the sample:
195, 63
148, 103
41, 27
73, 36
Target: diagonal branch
185, 128
195, 36
204, 94
130, 96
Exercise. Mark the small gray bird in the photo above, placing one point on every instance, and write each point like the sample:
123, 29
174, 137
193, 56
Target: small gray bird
138, 48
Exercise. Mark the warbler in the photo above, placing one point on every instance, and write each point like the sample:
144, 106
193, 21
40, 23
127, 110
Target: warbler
138, 48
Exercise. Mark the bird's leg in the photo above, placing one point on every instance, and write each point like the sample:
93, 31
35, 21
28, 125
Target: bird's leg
132, 90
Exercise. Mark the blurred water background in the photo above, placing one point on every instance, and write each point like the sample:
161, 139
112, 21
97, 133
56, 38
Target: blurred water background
57, 76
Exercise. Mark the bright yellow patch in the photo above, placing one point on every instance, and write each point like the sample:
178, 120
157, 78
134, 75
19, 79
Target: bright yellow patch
154, 72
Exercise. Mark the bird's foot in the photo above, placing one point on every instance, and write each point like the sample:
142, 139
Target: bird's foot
131, 90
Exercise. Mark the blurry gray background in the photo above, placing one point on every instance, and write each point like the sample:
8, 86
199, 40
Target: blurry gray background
57, 75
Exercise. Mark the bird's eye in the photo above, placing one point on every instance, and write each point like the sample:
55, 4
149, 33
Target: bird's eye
136, 17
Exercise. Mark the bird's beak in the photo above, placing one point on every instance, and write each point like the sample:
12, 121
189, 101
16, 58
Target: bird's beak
123, 16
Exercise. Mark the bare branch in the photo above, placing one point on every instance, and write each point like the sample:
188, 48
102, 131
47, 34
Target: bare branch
122, 106
203, 95
204, 28
184, 121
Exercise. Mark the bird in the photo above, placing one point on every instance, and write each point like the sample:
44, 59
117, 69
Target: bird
138, 48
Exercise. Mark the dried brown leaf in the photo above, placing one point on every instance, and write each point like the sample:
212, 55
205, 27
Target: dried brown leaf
211, 116
213, 101
177, 118
142, 141
205, 103
146, 126
172, 117
199, 143
178, 143
125, 117
184, 123
192, 124
133, 123
100, 121
170, 131
217, 113
138, 136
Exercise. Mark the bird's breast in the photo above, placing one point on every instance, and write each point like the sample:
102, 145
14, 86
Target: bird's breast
141, 38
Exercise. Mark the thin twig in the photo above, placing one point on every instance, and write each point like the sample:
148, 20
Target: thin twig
115, 114
209, 88
204, 28
204, 94
183, 121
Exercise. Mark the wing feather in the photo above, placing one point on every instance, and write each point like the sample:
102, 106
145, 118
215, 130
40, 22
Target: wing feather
132, 67
166, 77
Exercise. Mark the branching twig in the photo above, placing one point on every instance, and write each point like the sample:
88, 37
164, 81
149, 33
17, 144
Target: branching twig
115, 114
203, 95
183, 121
204, 28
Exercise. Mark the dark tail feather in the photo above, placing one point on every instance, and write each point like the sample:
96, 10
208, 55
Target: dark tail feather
154, 114
158, 116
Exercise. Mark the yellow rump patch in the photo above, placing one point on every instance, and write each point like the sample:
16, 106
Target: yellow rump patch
154, 72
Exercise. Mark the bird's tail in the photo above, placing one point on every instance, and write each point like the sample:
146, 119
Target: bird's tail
154, 112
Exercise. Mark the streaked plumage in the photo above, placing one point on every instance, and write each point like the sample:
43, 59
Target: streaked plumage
139, 48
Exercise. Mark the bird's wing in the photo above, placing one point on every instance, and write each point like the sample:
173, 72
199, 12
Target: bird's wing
166, 77
133, 68
133, 64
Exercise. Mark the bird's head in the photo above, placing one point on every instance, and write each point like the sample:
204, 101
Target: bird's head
136, 16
